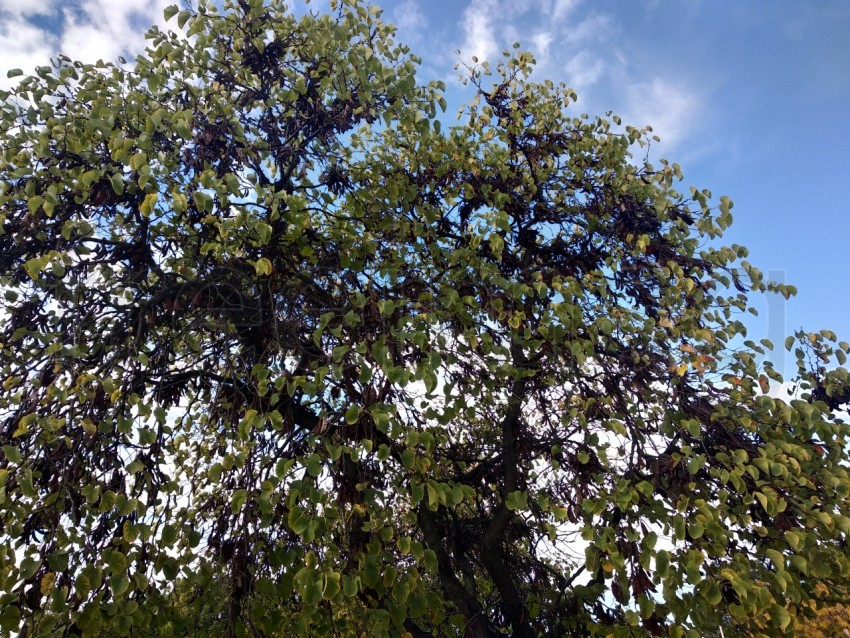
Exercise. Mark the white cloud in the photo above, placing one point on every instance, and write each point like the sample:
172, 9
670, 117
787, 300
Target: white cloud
570, 39
594, 27
104, 30
89, 42
27, 7
583, 70
563, 8
409, 17
672, 110
490, 26
24, 46
88, 30
91, 30
540, 43
479, 30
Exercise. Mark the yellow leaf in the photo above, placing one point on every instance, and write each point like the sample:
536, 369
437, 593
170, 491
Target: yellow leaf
704, 334
681, 369
148, 204
263, 266
24, 425
47, 582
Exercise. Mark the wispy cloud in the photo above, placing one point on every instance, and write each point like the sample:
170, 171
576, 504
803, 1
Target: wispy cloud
595, 27
24, 47
580, 43
582, 70
562, 8
489, 26
88, 31
102, 29
27, 8
409, 18
479, 30
540, 42
673, 110
571, 39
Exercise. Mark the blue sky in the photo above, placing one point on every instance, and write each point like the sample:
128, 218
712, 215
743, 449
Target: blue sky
749, 97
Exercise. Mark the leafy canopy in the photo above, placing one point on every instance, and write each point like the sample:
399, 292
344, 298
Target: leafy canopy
282, 355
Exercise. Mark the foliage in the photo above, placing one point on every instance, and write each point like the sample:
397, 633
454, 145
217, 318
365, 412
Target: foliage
282, 355
830, 620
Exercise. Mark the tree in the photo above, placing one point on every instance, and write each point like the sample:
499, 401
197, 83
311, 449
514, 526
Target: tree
281, 355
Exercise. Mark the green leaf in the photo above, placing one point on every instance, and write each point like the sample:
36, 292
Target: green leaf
214, 473
119, 584
237, 501
169, 535
157, 117
781, 616
298, 520
799, 563
350, 586
696, 529
433, 497
408, 456
352, 414
517, 501
170, 12
263, 266
776, 558
148, 204
117, 183
13, 454
662, 563
314, 465
28, 567
332, 585
203, 202
116, 561
34, 266
89, 177
34, 203
430, 380
183, 17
